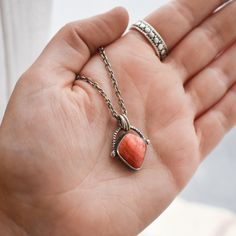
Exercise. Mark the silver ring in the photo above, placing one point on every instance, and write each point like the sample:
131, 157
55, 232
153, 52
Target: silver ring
153, 37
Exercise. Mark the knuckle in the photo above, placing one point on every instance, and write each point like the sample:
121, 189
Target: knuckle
73, 34
185, 11
73, 29
69, 27
214, 34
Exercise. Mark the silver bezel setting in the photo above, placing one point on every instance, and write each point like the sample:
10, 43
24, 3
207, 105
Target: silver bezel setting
117, 140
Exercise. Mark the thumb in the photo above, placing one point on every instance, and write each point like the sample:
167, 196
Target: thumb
73, 45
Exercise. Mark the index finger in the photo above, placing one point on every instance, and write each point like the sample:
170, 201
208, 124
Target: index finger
74, 44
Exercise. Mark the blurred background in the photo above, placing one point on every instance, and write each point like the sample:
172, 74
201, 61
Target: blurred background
25, 28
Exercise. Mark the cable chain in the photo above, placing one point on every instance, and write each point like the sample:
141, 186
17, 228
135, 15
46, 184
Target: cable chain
111, 74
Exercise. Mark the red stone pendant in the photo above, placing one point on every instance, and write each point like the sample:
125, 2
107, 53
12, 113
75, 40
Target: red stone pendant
130, 147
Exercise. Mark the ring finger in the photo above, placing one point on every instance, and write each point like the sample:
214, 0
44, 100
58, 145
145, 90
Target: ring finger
175, 19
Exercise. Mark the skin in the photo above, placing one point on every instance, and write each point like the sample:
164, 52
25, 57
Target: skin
56, 176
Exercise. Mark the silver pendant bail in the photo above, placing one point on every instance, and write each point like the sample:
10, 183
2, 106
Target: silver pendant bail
123, 122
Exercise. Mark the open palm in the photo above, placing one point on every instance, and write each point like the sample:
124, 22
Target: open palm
56, 134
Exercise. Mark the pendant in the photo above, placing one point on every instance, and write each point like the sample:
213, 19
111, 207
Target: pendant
129, 144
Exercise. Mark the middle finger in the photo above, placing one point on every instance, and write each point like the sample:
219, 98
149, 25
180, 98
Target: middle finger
205, 42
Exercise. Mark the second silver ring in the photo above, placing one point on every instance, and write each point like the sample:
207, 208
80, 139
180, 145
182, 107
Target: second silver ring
153, 37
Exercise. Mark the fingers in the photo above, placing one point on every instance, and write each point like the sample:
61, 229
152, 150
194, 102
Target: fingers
73, 45
214, 124
204, 43
208, 87
176, 19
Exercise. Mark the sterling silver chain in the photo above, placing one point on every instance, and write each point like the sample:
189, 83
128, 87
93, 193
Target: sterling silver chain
113, 79
124, 127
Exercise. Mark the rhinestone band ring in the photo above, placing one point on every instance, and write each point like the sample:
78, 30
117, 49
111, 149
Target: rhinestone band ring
153, 37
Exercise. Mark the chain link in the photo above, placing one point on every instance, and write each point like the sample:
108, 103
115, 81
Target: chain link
111, 74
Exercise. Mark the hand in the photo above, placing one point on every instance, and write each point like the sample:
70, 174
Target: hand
56, 174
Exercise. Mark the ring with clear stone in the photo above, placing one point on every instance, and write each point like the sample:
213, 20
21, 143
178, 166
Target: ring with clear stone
153, 37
